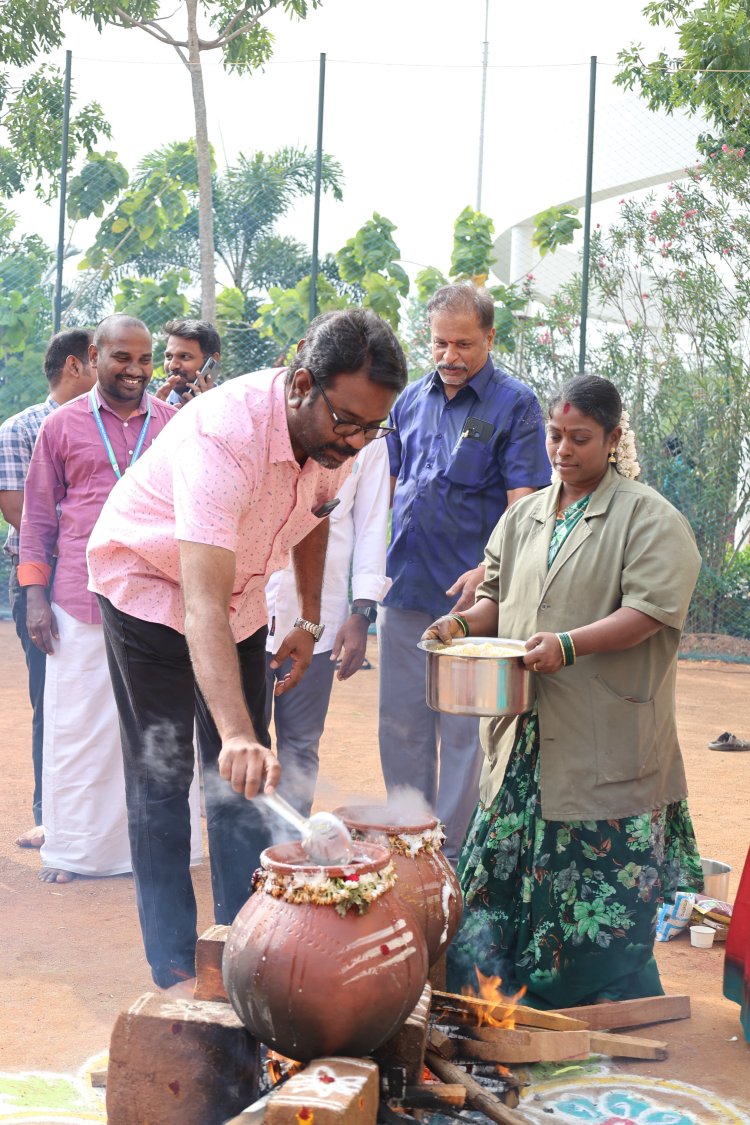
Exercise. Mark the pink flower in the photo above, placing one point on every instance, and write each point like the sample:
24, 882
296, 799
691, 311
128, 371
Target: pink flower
654, 214
621, 201
644, 296
652, 238
725, 148
689, 214
529, 277
741, 151
545, 337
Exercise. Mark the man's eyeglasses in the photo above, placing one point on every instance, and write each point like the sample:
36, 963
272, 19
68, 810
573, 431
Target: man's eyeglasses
349, 429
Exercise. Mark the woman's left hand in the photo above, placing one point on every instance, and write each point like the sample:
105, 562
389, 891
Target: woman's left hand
543, 653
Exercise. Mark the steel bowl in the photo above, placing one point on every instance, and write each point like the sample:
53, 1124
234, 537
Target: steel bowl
478, 685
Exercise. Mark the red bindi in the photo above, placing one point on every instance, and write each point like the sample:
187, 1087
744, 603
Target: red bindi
566, 408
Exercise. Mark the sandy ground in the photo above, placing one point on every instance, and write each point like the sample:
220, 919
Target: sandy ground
72, 957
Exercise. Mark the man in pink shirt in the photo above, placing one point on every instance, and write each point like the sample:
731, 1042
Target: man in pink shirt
180, 558
82, 449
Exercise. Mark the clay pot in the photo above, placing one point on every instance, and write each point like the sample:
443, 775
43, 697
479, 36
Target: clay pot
307, 972
426, 881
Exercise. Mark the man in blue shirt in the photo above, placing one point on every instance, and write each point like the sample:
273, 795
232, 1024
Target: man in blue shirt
469, 441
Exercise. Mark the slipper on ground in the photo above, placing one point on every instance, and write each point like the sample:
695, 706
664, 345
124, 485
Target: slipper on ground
729, 741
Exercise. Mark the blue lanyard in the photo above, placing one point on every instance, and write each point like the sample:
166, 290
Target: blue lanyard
105, 435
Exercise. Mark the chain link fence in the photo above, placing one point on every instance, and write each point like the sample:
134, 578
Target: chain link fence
669, 276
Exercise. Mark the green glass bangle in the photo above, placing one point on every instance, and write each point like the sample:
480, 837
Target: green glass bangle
462, 622
568, 649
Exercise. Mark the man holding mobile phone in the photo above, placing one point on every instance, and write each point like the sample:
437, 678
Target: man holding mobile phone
191, 359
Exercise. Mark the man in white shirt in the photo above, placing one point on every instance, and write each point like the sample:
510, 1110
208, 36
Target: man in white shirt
356, 544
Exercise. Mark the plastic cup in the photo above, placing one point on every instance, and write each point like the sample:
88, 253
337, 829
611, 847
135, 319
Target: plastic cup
702, 937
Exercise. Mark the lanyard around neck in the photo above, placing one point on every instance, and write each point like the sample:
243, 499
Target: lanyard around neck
105, 436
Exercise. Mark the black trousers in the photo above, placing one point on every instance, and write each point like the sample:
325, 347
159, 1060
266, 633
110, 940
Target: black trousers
158, 702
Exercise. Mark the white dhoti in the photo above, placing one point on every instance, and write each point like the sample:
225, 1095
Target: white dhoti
83, 784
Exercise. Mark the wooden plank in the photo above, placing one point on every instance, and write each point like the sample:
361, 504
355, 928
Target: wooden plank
626, 1046
509, 1046
474, 1010
433, 1095
209, 952
630, 1013
477, 1097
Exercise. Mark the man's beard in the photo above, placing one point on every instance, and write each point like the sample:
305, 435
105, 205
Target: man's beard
444, 369
321, 454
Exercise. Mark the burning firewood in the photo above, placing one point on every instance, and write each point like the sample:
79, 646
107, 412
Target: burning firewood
476, 1095
454, 1009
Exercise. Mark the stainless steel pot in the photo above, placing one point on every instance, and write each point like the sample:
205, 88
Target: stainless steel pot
478, 685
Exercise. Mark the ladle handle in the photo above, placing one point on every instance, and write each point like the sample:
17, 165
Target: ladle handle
285, 810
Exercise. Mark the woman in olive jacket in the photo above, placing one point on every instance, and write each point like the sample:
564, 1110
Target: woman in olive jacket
582, 827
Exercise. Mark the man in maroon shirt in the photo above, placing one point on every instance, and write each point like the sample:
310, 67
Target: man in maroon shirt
82, 450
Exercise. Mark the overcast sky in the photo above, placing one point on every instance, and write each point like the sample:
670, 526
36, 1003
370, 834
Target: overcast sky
402, 107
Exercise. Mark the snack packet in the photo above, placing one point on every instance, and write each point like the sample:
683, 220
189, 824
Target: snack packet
714, 913
675, 916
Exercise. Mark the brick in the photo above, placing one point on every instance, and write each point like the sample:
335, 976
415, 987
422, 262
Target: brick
327, 1092
209, 952
179, 1062
406, 1048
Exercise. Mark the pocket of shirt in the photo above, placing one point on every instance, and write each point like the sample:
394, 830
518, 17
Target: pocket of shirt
469, 462
625, 734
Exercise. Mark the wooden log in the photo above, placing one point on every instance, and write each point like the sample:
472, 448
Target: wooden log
179, 1062
434, 1095
406, 1048
328, 1090
626, 1046
475, 1010
477, 1097
209, 951
503, 1045
630, 1013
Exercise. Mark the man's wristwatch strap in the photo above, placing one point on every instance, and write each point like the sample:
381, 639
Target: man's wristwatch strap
368, 611
309, 627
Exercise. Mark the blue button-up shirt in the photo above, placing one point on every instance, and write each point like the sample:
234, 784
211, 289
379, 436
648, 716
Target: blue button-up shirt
451, 486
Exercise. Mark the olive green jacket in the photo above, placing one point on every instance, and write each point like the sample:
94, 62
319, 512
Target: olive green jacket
607, 723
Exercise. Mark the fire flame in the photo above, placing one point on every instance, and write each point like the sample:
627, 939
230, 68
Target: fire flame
279, 1066
503, 1012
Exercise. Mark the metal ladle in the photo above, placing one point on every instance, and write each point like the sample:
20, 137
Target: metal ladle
325, 838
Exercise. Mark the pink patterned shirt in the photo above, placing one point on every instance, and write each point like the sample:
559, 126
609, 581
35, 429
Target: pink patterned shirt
223, 474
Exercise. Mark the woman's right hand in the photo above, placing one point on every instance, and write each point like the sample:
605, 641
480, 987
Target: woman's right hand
444, 629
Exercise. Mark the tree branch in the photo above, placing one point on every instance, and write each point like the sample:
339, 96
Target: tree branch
223, 38
146, 25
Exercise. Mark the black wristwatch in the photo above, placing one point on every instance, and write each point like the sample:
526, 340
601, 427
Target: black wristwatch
309, 627
368, 611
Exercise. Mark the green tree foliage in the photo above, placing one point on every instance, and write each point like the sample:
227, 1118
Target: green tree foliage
554, 228
371, 260
244, 43
707, 77
473, 239
673, 277
25, 316
154, 302
31, 112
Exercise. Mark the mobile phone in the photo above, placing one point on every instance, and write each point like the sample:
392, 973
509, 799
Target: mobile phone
207, 368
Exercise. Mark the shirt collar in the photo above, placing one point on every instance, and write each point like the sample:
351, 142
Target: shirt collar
280, 445
103, 405
51, 402
478, 383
